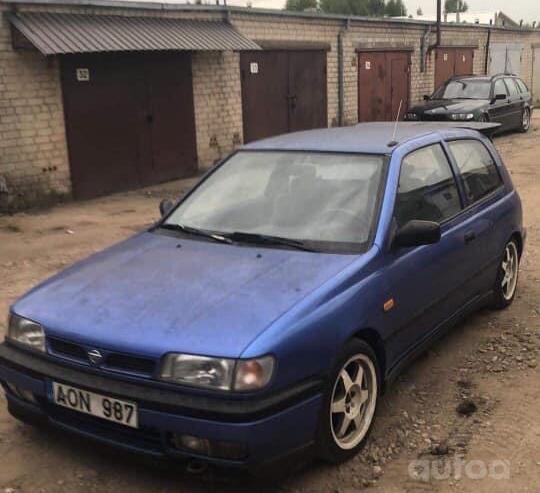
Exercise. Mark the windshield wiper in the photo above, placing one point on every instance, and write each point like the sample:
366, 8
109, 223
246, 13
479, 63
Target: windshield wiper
261, 239
197, 232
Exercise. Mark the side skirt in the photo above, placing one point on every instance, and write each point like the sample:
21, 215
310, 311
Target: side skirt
474, 305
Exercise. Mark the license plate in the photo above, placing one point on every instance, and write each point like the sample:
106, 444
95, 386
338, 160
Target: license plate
101, 406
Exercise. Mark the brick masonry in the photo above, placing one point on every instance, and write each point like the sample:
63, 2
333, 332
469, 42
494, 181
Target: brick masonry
33, 149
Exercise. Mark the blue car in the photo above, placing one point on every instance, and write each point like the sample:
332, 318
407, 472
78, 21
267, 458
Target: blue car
268, 309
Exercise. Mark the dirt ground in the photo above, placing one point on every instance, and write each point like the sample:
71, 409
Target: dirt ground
488, 366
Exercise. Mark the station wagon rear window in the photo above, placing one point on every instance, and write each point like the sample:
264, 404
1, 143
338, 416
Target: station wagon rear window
328, 199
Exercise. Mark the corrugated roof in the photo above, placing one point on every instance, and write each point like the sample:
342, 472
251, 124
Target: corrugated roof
55, 33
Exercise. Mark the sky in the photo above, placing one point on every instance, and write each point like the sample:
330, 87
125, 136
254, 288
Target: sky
528, 10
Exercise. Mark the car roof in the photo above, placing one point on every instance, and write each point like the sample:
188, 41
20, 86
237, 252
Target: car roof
367, 138
486, 78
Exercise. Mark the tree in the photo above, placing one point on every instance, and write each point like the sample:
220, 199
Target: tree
375, 8
300, 5
453, 6
395, 8
346, 7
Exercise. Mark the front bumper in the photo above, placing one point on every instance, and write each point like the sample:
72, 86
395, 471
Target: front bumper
267, 428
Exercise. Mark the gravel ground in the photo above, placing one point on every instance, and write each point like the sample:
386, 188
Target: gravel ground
463, 417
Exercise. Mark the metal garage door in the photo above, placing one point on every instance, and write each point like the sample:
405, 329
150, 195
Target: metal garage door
452, 61
383, 83
505, 58
129, 120
283, 91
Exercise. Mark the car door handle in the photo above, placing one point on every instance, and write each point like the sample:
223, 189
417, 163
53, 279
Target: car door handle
470, 236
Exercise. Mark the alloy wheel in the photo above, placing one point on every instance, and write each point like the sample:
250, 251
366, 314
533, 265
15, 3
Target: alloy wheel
510, 265
353, 403
526, 119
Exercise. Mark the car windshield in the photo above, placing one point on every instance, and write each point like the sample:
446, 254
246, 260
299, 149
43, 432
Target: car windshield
322, 199
464, 89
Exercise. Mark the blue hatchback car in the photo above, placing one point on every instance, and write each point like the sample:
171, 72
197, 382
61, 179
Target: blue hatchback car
269, 308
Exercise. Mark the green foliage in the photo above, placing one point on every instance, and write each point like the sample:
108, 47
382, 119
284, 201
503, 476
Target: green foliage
300, 5
395, 8
453, 6
374, 8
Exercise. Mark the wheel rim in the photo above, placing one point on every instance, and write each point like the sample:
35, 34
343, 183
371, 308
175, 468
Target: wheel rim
509, 267
354, 398
526, 119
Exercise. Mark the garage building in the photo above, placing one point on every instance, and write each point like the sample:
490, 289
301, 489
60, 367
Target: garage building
101, 96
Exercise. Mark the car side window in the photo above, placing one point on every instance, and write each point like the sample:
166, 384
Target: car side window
522, 86
476, 167
427, 188
500, 88
512, 87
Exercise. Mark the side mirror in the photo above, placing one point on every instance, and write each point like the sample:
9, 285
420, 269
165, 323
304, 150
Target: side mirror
416, 233
425, 97
500, 97
165, 207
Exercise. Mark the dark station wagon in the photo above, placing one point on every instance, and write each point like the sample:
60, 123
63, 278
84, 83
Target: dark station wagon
503, 99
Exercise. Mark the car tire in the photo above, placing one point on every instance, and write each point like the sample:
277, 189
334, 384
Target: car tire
525, 120
505, 287
349, 404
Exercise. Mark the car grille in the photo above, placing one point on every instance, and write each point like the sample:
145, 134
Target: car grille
435, 118
112, 361
144, 438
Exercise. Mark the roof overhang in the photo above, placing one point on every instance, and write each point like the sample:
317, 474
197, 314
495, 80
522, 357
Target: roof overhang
59, 34
366, 47
294, 45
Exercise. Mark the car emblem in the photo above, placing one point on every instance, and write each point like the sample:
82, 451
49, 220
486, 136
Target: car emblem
95, 357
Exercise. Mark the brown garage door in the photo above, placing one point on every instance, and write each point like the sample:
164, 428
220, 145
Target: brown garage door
282, 91
383, 83
452, 61
129, 120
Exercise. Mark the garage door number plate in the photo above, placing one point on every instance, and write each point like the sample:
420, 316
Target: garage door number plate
104, 407
83, 74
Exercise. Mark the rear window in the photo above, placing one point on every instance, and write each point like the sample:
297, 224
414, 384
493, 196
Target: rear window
477, 168
512, 87
523, 88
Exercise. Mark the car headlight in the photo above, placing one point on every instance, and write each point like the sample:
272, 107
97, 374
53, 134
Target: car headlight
26, 332
412, 116
462, 116
217, 373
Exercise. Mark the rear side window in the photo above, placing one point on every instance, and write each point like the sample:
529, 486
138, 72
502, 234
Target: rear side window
512, 87
500, 88
523, 88
477, 168
427, 188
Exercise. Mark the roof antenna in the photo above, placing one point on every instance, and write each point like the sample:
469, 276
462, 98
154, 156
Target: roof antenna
394, 142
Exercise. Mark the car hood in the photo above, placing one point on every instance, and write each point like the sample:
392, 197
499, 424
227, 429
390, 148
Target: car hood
435, 106
154, 294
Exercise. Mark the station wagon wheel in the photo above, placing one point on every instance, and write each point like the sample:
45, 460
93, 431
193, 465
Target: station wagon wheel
350, 403
525, 120
507, 278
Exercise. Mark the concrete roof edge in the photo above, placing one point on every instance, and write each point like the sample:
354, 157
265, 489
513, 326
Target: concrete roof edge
161, 6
